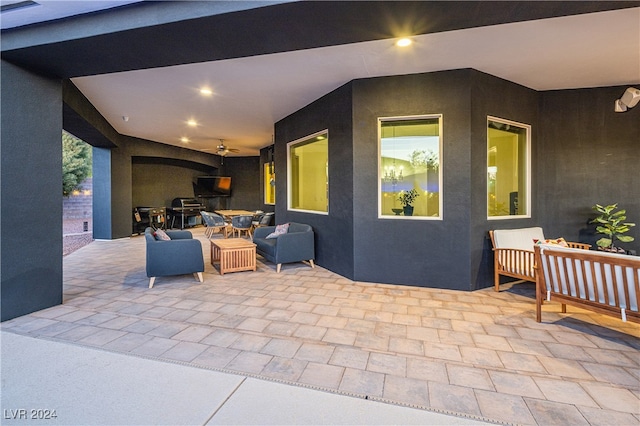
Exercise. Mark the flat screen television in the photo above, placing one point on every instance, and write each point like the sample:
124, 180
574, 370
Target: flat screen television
212, 186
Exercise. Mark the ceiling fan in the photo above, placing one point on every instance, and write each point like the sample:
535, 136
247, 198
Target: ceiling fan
223, 150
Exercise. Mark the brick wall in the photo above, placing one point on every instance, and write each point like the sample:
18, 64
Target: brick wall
77, 209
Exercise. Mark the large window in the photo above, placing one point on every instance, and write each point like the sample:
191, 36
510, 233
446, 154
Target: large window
508, 169
307, 168
410, 176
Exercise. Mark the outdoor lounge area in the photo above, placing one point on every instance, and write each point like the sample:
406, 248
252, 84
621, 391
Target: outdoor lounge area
399, 134
480, 354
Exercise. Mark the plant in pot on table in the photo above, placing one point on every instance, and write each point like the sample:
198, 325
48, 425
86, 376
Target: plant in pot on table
612, 224
407, 198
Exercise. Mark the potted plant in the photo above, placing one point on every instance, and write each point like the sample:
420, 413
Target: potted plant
407, 198
612, 224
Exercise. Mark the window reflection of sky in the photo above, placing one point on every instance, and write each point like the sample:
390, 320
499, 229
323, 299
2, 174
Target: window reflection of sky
397, 151
401, 148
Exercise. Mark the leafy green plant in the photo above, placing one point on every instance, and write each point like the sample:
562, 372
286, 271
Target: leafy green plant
407, 197
612, 224
76, 162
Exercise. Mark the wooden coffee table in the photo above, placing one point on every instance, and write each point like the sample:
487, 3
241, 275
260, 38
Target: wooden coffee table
234, 254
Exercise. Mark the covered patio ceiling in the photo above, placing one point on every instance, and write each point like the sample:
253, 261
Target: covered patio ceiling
264, 63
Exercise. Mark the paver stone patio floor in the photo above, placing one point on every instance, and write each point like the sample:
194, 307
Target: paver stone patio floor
479, 354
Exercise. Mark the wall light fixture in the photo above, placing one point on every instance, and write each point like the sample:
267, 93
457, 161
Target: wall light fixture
629, 99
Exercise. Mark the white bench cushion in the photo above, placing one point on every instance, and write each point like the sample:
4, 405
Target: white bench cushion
582, 285
521, 239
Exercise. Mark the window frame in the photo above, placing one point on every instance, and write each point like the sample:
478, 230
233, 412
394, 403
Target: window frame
528, 179
440, 118
289, 172
267, 168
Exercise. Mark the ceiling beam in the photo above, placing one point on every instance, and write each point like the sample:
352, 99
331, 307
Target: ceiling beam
264, 30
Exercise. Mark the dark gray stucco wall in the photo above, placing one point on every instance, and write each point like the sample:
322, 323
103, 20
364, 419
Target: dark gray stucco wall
112, 196
102, 193
492, 96
31, 192
429, 253
588, 154
582, 153
157, 181
121, 208
245, 183
334, 232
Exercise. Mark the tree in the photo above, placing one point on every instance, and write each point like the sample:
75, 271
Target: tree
76, 162
421, 159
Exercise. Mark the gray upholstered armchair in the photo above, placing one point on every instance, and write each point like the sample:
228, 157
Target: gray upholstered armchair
294, 246
180, 255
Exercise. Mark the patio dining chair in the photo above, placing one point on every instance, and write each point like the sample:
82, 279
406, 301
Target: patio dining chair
214, 222
266, 219
240, 224
256, 218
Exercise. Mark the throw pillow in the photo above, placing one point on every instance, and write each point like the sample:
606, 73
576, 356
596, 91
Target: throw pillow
559, 241
161, 235
280, 229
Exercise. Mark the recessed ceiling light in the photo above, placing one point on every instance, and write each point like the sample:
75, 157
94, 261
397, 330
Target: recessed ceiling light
184, 139
192, 123
205, 91
403, 42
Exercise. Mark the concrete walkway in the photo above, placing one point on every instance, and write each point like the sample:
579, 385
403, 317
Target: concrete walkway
52, 383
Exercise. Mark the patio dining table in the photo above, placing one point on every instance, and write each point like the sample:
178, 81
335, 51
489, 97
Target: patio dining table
228, 214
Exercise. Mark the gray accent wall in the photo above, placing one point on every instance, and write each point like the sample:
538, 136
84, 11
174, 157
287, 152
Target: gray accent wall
31, 192
492, 96
335, 231
157, 181
588, 154
245, 175
102, 193
582, 153
428, 253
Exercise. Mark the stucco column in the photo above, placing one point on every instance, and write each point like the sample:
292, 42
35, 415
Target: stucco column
31, 192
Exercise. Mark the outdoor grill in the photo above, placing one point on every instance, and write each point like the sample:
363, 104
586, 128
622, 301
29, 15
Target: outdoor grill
186, 210
148, 216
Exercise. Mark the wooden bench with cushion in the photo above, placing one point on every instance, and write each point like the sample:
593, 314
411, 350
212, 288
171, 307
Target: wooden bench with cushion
602, 282
513, 253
